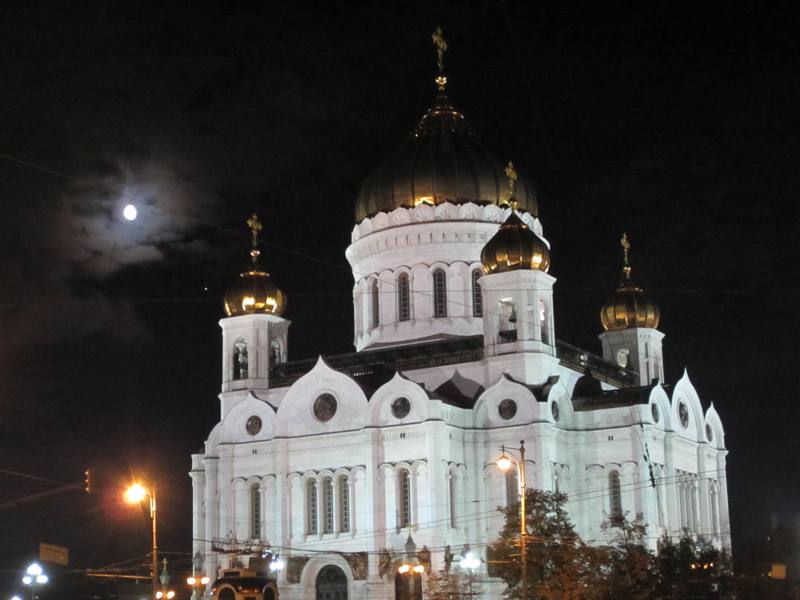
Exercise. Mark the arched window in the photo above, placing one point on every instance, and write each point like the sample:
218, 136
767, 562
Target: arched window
239, 359
615, 497
543, 322
403, 300
275, 352
327, 505
477, 300
376, 304
255, 512
311, 507
512, 487
344, 503
439, 293
404, 489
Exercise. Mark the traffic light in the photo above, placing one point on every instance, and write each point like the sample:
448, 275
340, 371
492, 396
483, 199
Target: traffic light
88, 481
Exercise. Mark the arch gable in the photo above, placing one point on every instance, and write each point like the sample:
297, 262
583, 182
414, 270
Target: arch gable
380, 404
685, 390
295, 413
486, 407
659, 397
233, 426
713, 419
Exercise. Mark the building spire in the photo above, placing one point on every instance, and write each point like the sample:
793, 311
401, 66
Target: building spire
511, 173
255, 227
440, 45
626, 267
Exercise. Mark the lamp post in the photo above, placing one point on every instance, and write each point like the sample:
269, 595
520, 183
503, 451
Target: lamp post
34, 576
135, 494
504, 464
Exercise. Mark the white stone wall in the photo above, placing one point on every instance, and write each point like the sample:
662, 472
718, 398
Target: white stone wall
440, 444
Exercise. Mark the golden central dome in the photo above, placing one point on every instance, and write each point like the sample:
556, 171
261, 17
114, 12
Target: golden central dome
253, 292
441, 161
513, 247
628, 306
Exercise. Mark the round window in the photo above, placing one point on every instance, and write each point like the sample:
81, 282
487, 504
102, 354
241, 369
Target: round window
324, 407
401, 407
683, 414
507, 409
253, 425
709, 433
654, 412
554, 410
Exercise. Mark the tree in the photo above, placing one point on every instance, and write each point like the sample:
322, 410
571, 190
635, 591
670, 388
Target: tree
631, 567
691, 567
559, 564
451, 585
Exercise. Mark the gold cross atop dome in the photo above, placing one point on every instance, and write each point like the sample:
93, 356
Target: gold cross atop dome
255, 227
440, 45
511, 173
626, 247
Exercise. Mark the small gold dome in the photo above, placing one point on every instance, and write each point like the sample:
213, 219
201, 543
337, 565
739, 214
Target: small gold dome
253, 292
628, 306
513, 247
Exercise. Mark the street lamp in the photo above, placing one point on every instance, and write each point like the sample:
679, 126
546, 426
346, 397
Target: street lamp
504, 464
470, 563
136, 494
34, 576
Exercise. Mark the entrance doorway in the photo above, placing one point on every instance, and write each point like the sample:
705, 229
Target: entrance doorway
331, 584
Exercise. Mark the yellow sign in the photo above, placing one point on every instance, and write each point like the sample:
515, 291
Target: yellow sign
57, 555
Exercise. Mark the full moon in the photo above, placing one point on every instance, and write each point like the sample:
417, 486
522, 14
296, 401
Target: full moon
129, 212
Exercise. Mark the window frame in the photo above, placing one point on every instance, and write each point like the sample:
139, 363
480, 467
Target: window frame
439, 294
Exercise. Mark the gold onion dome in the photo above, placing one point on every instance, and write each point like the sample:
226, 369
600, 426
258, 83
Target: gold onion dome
253, 292
441, 161
628, 306
514, 247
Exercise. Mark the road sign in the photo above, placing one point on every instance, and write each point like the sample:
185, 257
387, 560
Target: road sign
51, 553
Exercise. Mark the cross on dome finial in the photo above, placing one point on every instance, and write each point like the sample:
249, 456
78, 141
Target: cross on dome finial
255, 227
626, 247
511, 173
441, 47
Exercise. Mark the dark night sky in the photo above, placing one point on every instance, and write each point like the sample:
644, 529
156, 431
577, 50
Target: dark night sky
680, 128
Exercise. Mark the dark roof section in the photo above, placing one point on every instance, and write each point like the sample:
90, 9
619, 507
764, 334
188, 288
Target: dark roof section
622, 397
373, 368
458, 391
540, 392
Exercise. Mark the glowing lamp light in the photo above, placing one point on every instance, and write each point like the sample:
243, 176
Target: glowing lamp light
419, 569
403, 569
276, 565
191, 580
130, 212
504, 463
135, 494
34, 569
27, 580
204, 579
247, 302
470, 562
15, 598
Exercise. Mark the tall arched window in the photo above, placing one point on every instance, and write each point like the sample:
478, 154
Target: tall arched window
376, 304
615, 497
344, 503
311, 507
255, 512
477, 300
404, 489
512, 487
403, 300
239, 359
327, 505
439, 293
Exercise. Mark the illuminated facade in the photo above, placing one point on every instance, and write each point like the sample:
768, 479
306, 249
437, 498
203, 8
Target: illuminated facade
336, 462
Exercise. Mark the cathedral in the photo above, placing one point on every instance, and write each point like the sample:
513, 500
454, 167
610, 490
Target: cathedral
350, 466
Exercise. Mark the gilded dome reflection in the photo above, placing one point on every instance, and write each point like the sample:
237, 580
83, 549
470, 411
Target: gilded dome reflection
513, 247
